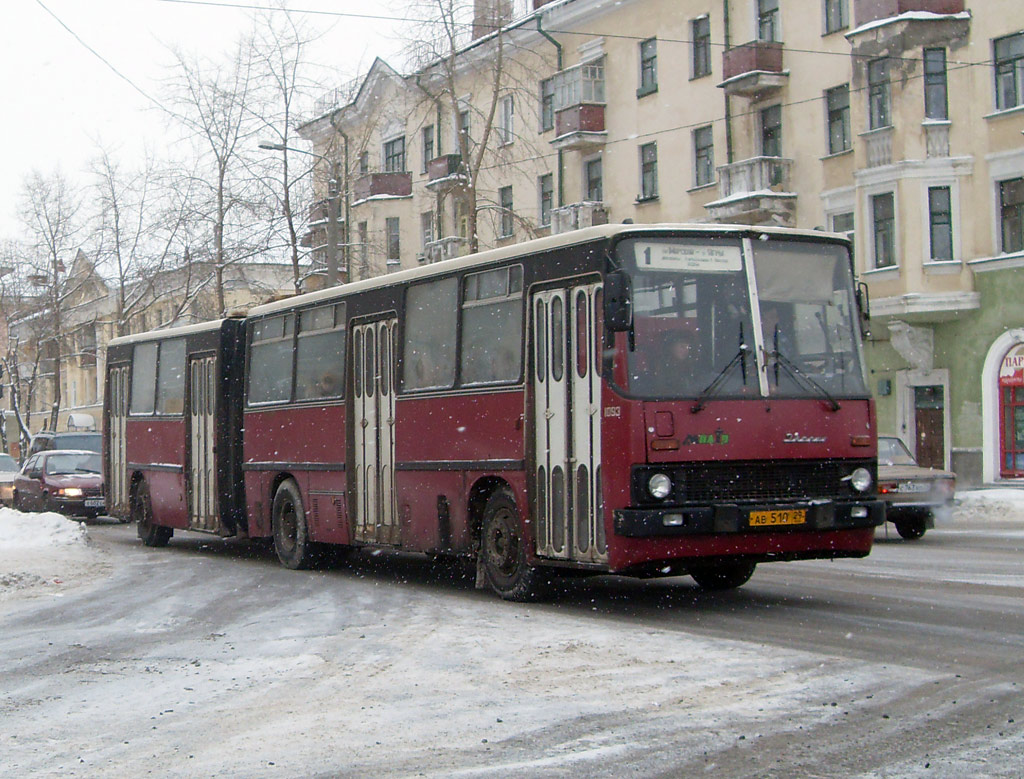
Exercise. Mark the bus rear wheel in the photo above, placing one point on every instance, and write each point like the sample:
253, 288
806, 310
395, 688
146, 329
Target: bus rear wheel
142, 513
503, 552
722, 576
291, 534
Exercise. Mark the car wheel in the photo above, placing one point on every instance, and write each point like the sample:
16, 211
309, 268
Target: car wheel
142, 513
722, 576
911, 529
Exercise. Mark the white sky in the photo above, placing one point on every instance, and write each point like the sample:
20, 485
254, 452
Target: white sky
59, 99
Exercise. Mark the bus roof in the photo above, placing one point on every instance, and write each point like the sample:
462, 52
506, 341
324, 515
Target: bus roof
169, 332
536, 246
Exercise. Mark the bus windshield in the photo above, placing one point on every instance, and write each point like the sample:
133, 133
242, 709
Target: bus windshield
700, 325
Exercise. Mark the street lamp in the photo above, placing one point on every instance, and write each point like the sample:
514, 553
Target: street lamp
332, 206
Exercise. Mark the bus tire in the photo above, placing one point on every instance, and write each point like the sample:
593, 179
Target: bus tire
503, 550
142, 513
722, 576
291, 533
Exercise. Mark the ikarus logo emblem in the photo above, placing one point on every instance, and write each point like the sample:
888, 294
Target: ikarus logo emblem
800, 438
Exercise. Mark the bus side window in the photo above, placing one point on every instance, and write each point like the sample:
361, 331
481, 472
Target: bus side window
492, 327
144, 378
270, 360
170, 389
320, 353
428, 346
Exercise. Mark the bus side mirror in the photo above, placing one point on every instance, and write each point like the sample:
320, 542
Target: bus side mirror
618, 301
864, 308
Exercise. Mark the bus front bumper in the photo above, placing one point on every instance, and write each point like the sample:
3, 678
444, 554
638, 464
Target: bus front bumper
735, 518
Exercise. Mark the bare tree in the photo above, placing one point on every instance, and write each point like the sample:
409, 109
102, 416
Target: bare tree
50, 211
212, 99
447, 65
141, 231
280, 44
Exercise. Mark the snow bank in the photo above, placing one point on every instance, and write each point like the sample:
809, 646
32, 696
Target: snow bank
19, 530
1003, 503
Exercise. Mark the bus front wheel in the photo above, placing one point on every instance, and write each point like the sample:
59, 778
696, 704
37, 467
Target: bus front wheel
291, 534
142, 512
503, 550
722, 576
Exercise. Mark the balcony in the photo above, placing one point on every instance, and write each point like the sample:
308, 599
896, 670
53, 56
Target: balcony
443, 249
579, 107
893, 27
755, 192
866, 11
576, 216
316, 235
754, 69
382, 184
445, 172
580, 127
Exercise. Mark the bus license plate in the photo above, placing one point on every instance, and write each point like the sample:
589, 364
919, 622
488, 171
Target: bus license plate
778, 517
94, 503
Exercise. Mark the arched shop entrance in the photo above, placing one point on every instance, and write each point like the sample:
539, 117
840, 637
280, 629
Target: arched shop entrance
1003, 408
1011, 414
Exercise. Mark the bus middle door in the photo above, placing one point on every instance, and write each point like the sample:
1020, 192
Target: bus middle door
202, 430
567, 423
374, 432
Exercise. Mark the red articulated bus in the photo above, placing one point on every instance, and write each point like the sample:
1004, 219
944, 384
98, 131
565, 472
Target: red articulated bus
645, 400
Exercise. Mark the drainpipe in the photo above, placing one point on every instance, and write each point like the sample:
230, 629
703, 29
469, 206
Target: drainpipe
558, 62
346, 200
728, 107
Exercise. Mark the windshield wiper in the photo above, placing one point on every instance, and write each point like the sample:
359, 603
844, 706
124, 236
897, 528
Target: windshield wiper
712, 389
799, 376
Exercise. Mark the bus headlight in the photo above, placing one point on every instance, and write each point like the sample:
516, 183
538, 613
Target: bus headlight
860, 480
660, 486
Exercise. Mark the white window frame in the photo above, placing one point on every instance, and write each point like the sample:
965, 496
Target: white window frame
869, 229
506, 120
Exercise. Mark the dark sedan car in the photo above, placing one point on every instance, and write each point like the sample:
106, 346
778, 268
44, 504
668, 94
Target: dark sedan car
912, 493
66, 481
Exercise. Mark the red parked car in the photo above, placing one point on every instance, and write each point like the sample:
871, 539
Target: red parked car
67, 481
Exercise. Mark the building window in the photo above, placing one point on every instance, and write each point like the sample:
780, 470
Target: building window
391, 227
427, 135
546, 191
703, 156
883, 220
505, 202
648, 67
843, 223
768, 20
506, 119
771, 131
1011, 215
427, 227
648, 171
700, 47
394, 155
547, 104
462, 127
595, 180
363, 234
878, 94
1009, 57
838, 102
936, 102
364, 163
835, 15
940, 223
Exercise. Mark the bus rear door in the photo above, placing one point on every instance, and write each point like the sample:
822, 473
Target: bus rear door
202, 430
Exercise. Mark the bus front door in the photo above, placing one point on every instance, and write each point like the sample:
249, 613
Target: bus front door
202, 427
374, 432
567, 424
117, 465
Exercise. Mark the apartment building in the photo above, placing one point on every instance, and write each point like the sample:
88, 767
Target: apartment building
90, 320
897, 122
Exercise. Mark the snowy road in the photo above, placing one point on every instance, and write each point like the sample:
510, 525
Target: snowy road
208, 658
